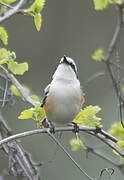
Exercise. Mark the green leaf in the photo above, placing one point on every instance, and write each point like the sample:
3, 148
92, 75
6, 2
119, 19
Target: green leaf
17, 68
87, 117
5, 55
37, 6
8, 1
36, 113
39, 112
3, 35
98, 55
101, 4
3, 9
117, 130
26, 114
35, 97
77, 144
15, 91
38, 21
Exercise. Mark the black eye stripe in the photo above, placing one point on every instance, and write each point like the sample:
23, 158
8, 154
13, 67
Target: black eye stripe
72, 66
69, 63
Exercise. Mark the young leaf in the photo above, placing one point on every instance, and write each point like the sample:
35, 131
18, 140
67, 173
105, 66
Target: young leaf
5, 55
35, 97
3, 9
26, 114
101, 4
98, 55
117, 130
38, 21
87, 117
17, 68
37, 6
8, 1
3, 35
15, 91
36, 113
77, 144
39, 112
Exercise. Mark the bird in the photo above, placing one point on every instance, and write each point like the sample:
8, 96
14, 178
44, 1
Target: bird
63, 97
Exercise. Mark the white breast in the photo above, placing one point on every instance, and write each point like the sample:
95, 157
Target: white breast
67, 101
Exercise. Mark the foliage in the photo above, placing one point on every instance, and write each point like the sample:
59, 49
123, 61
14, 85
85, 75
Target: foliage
77, 144
87, 117
8, 1
36, 113
117, 130
38, 21
102, 4
98, 55
7, 57
35, 11
17, 68
15, 91
3, 35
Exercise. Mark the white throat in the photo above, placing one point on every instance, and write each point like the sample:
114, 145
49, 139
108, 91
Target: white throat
64, 71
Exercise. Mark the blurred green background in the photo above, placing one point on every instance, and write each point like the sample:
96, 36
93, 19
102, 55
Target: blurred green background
75, 29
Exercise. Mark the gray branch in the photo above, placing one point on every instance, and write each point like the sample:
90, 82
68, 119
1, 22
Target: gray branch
116, 34
105, 137
12, 11
20, 164
14, 81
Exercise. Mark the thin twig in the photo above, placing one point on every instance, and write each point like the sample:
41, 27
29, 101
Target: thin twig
117, 32
69, 156
117, 66
108, 136
108, 142
104, 137
106, 158
5, 93
7, 5
13, 11
101, 155
44, 130
19, 86
93, 77
108, 61
19, 164
112, 46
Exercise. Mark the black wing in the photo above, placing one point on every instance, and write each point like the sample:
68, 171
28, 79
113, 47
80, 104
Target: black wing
46, 91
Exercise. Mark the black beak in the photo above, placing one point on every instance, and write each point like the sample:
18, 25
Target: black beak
65, 60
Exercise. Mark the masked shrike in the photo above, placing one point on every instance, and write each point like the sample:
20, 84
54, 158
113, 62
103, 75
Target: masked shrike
63, 96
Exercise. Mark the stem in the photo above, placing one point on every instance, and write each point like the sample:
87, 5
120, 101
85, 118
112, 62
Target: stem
117, 32
69, 156
12, 11
102, 135
14, 81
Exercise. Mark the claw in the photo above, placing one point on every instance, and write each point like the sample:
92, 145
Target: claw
52, 129
76, 128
